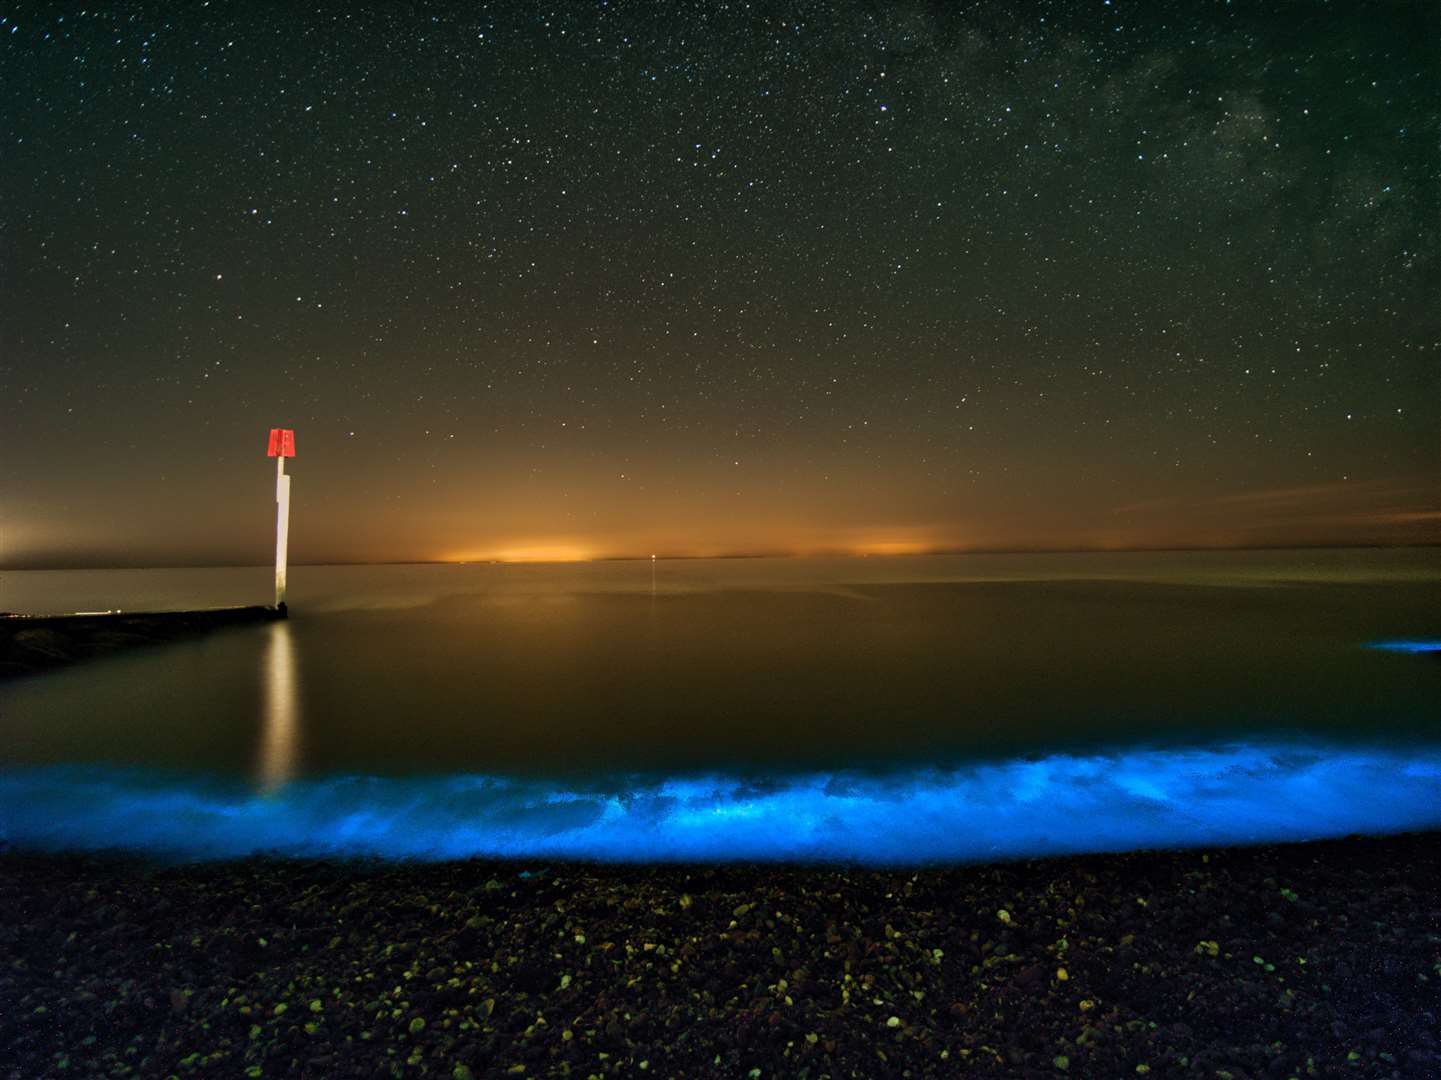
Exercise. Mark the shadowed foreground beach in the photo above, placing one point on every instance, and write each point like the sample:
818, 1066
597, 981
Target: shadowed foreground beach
1318, 959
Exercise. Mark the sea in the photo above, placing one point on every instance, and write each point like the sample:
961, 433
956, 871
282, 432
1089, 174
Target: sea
902, 710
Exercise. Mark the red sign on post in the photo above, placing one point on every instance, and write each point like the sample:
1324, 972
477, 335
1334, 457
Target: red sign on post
282, 442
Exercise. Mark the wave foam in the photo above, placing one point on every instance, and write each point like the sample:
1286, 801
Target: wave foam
1137, 798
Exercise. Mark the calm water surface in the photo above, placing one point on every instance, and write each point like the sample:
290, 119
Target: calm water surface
569, 677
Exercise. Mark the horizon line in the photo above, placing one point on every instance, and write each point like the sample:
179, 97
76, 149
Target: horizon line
819, 554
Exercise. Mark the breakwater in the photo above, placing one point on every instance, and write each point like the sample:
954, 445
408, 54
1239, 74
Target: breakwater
33, 643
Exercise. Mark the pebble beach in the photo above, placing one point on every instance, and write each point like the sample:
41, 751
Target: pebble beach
1308, 960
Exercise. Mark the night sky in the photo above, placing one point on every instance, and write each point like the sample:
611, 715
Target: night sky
607, 279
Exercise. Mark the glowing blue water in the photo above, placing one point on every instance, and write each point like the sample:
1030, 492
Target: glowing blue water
1407, 646
1137, 798
1053, 699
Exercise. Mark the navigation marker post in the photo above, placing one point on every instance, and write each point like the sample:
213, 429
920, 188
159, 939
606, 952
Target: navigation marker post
282, 446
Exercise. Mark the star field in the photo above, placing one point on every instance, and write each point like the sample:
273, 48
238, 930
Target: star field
612, 278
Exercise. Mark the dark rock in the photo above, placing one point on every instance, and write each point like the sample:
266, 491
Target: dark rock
531, 978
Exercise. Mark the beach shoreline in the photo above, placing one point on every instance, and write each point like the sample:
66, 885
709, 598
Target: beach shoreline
1313, 959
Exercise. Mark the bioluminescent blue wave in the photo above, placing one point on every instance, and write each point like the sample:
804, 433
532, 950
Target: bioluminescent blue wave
1407, 646
1138, 798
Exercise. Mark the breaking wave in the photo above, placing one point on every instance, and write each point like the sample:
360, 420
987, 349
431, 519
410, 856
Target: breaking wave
1236, 793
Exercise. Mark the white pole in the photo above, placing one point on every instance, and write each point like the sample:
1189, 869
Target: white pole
282, 528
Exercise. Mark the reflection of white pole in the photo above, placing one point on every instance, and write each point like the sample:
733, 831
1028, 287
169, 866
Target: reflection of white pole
282, 528
278, 749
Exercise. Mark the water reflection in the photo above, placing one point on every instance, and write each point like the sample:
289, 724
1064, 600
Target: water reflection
278, 739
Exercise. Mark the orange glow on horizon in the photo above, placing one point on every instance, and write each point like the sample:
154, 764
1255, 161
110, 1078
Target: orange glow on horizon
892, 547
529, 552
894, 540
844, 542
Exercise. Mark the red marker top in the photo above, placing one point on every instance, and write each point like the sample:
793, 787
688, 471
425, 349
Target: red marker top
282, 442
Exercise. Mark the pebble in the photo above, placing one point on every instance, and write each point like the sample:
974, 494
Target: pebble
470, 974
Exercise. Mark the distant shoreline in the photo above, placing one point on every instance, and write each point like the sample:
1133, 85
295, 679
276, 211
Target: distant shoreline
661, 557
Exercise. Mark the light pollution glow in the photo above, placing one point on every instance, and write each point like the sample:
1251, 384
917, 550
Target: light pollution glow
533, 551
552, 550
339, 516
